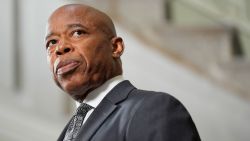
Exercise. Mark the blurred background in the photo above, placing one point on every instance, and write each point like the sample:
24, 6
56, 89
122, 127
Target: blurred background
196, 50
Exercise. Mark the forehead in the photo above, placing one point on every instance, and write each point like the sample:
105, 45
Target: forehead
68, 16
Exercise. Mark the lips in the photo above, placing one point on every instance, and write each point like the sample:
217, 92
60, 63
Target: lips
64, 67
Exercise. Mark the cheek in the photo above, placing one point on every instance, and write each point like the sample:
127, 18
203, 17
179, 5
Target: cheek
95, 53
50, 62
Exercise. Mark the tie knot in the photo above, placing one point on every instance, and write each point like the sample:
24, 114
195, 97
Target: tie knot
83, 109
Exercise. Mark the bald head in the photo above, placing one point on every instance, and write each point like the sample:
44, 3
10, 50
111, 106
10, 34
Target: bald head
89, 15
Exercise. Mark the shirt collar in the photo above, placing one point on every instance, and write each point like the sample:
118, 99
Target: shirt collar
95, 97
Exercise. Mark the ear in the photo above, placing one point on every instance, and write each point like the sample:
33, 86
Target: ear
117, 47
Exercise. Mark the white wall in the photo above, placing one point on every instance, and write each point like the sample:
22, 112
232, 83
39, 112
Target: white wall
37, 105
7, 45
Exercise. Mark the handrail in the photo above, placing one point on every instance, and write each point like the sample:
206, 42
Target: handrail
208, 9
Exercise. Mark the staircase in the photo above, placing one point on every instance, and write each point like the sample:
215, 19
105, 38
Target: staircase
214, 50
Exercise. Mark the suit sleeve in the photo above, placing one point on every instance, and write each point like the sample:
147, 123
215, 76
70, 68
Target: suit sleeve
161, 117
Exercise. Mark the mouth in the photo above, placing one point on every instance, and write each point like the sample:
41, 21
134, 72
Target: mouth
67, 66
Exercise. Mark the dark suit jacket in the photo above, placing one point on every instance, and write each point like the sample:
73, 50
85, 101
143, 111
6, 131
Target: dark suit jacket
130, 114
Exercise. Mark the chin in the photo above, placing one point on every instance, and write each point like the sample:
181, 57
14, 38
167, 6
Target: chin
77, 91
78, 98
74, 89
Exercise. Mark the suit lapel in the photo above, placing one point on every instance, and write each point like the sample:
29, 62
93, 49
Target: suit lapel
104, 109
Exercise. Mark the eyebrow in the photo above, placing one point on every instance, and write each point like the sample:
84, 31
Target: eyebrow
48, 35
68, 26
75, 25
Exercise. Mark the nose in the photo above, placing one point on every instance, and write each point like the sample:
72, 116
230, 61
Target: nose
63, 49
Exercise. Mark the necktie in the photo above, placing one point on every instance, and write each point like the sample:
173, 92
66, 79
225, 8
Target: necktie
76, 122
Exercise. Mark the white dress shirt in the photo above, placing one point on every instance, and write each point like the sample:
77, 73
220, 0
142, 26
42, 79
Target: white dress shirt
95, 97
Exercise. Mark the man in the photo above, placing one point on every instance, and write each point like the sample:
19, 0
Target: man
84, 52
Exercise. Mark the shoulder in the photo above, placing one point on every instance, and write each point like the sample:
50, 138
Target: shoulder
153, 97
154, 105
161, 115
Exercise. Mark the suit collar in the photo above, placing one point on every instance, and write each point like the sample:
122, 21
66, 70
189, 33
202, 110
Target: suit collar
95, 97
120, 92
104, 109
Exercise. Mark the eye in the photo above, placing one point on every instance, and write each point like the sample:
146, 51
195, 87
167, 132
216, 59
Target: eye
51, 43
78, 33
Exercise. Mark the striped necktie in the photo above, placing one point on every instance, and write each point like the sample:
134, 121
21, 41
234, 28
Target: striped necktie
76, 122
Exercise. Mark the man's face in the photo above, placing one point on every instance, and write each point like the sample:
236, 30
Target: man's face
78, 52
